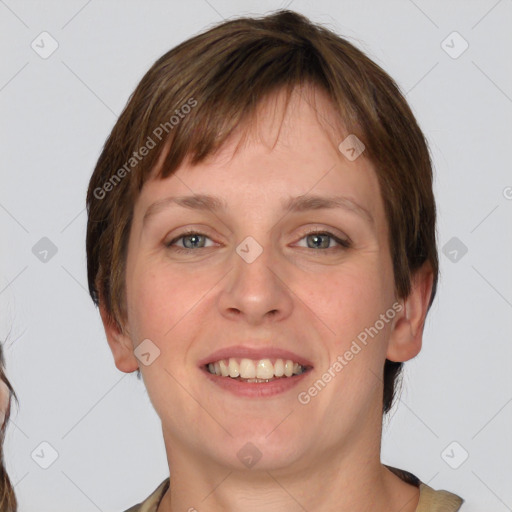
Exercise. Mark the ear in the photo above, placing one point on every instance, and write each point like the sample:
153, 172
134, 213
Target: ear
119, 342
407, 334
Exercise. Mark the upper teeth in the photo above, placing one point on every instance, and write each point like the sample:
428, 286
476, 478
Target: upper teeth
249, 369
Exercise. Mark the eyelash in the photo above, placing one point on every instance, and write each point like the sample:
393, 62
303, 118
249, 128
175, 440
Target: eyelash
343, 244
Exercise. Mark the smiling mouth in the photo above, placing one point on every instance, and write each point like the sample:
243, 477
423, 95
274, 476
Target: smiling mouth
255, 371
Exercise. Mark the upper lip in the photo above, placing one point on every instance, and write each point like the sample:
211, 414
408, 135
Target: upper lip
245, 351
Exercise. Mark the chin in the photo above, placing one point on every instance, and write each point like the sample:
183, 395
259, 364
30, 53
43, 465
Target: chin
267, 449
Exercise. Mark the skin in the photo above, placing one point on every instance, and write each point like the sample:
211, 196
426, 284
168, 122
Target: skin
4, 401
325, 455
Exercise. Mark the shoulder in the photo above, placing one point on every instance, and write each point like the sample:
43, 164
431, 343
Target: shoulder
430, 499
150, 504
437, 501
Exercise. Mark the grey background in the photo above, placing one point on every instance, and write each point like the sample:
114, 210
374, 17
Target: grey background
56, 113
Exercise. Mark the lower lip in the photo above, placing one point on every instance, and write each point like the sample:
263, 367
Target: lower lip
256, 389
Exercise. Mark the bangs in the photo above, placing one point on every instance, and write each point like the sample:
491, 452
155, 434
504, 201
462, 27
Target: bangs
188, 112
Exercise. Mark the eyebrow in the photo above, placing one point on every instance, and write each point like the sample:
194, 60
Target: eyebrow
204, 202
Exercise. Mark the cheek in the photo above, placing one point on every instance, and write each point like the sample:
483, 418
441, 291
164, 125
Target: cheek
160, 297
152, 301
350, 301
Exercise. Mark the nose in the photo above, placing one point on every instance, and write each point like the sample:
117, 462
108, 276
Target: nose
256, 289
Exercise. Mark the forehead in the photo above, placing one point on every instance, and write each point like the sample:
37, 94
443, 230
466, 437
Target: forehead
282, 123
284, 152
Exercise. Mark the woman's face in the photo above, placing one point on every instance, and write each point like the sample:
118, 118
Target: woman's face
255, 285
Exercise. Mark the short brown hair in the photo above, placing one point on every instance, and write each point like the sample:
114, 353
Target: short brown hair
202, 90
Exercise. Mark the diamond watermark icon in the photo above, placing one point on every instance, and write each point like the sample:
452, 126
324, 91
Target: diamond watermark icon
146, 352
249, 249
351, 147
44, 250
44, 45
249, 455
454, 45
454, 249
454, 455
44, 455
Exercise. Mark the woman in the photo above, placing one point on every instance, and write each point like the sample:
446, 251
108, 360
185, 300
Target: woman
7, 498
261, 246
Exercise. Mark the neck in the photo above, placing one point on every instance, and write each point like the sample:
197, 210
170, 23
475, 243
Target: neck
342, 480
